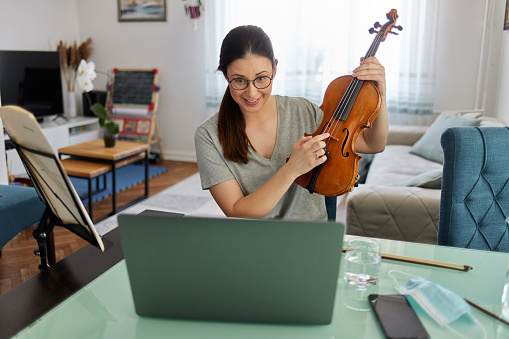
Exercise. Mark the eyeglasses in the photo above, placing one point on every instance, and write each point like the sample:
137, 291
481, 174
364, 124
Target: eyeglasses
240, 83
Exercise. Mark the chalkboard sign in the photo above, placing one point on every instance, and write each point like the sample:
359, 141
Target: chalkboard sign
133, 87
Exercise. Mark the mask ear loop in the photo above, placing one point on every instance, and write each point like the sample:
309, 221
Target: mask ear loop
394, 280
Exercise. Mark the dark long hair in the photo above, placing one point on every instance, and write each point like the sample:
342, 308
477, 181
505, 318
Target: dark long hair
237, 44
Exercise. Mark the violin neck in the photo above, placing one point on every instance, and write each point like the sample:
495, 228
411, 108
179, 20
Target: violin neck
374, 46
345, 105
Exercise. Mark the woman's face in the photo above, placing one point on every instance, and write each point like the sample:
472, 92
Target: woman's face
251, 99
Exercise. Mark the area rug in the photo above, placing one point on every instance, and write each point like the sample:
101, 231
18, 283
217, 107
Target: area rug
126, 176
185, 197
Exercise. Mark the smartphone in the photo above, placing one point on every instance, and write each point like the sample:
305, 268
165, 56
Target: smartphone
396, 317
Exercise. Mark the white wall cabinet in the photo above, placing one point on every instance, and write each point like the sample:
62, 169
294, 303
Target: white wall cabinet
60, 133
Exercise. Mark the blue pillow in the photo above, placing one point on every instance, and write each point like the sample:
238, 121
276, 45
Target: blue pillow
431, 179
428, 146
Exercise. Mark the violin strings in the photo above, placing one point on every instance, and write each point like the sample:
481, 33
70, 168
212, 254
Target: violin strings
341, 112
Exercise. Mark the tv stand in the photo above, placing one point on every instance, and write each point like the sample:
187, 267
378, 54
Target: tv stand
60, 133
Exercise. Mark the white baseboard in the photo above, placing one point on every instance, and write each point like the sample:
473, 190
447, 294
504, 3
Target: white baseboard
180, 156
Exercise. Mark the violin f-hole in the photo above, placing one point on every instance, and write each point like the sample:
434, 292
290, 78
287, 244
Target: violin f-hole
347, 154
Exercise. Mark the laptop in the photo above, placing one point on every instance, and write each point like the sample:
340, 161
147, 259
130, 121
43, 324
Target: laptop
235, 270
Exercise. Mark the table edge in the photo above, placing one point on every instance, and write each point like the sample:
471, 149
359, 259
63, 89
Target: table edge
27, 302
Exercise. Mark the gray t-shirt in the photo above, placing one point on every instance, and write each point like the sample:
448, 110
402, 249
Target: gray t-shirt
295, 116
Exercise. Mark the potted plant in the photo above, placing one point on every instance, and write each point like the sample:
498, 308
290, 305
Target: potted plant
86, 74
110, 128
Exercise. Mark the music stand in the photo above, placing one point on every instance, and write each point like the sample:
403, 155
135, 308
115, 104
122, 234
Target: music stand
63, 205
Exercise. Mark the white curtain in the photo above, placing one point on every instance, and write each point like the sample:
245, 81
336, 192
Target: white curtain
316, 41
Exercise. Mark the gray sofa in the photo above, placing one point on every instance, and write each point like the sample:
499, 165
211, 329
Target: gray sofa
400, 199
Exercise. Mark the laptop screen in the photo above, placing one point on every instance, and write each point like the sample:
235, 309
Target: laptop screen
232, 269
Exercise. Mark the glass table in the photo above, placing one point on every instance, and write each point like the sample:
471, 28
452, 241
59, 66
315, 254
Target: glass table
104, 307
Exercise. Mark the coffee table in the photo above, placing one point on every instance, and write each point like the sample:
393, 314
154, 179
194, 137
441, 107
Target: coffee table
91, 159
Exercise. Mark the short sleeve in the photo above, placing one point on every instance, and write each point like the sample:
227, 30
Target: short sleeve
209, 153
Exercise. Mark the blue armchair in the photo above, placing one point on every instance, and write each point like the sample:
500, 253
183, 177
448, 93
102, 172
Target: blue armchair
475, 188
20, 208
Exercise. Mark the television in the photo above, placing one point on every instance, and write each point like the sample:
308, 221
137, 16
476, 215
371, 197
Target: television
32, 80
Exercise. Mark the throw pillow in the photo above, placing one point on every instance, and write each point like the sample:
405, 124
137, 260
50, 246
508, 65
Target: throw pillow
463, 114
428, 146
431, 179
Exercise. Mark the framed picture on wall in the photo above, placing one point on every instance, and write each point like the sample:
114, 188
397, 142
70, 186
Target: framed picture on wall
506, 20
141, 10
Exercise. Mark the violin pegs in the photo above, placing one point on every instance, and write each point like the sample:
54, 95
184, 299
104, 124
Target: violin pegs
377, 25
399, 28
372, 30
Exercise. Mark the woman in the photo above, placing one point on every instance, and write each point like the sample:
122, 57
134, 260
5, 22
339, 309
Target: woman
242, 151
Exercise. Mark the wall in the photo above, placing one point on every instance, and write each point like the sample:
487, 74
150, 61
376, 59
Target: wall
503, 82
178, 51
458, 53
37, 25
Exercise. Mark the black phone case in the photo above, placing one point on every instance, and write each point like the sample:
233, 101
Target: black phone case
397, 318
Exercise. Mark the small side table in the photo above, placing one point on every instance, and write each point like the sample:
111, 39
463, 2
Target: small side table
104, 159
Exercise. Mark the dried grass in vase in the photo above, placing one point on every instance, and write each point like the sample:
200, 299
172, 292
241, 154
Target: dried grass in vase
70, 57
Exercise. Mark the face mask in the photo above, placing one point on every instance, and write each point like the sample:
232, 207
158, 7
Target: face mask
439, 303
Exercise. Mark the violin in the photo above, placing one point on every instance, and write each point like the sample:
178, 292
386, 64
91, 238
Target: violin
349, 106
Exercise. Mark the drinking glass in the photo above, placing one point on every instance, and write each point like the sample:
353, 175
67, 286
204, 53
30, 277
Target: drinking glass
362, 262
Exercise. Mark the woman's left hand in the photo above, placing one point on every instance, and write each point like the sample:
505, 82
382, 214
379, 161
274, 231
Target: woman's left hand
374, 139
371, 69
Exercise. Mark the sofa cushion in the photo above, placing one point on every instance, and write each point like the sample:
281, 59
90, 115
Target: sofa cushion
428, 146
430, 179
396, 164
398, 213
491, 122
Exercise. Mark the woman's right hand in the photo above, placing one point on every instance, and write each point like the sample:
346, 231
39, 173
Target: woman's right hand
307, 153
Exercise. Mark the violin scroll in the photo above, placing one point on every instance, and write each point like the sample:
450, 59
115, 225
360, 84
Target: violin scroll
392, 16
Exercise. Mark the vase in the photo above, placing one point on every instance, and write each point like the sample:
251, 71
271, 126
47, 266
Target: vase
110, 139
71, 105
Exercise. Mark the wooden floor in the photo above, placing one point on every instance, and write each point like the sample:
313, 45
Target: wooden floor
18, 262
